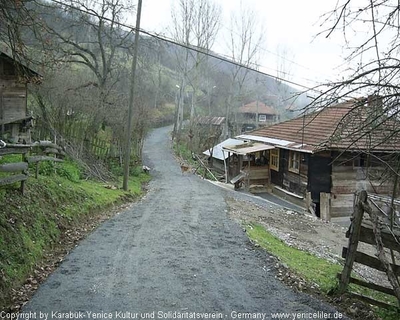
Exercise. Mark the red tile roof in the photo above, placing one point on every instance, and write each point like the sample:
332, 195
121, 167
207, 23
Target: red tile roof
343, 126
262, 108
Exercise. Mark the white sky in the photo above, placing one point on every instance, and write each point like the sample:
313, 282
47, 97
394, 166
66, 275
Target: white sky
292, 24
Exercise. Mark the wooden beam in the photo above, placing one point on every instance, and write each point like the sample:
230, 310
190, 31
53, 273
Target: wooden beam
373, 301
371, 262
13, 167
354, 236
35, 159
372, 286
51, 150
389, 241
7, 150
12, 179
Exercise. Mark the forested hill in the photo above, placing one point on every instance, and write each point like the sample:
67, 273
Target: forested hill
85, 58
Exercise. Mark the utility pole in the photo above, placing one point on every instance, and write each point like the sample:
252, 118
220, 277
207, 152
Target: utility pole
131, 97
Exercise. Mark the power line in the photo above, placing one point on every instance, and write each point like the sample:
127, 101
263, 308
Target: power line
218, 56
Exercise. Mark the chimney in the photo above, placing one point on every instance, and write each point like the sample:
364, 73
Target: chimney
375, 108
375, 101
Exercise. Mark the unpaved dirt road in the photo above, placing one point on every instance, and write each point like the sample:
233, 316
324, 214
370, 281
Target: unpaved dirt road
175, 251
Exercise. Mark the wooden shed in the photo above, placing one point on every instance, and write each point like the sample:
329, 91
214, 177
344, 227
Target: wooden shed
14, 118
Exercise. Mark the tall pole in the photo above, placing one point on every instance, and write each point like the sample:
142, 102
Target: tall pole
131, 96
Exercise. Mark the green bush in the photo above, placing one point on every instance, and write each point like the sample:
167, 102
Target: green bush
67, 169
136, 171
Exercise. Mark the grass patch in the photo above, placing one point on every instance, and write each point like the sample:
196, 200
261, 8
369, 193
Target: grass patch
315, 270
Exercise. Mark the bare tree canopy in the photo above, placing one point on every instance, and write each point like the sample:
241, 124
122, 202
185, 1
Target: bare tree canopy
370, 36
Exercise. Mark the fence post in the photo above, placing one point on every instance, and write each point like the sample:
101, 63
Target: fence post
354, 237
325, 206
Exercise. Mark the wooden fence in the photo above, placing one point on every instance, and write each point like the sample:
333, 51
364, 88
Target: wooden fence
379, 230
78, 137
30, 153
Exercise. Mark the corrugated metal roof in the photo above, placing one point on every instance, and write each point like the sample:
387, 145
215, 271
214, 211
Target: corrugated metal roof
272, 141
284, 144
206, 120
248, 147
217, 150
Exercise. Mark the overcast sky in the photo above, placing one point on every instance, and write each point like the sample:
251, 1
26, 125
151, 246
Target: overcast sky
291, 24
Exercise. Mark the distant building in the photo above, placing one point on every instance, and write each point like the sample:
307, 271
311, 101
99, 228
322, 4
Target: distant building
255, 115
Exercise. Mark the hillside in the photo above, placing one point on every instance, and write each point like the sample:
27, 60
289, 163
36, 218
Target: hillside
55, 212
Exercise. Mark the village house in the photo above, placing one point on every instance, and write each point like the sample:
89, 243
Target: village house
320, 159
15, 121
217, 158
210, 126
254, 115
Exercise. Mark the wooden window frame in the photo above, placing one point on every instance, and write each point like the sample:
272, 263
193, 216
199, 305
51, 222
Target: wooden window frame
294, 157
274, 155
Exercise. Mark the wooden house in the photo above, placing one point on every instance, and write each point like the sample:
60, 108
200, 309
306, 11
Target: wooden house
256, 114
217, 158
322, 158
14, 118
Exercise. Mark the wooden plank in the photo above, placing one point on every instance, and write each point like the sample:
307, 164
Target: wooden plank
370, 285
13, 179
369, 261
340, 176
5, 151
35, 159
14, 167
367, 236
342, 168
384, 229
354, 236
342, 200
373, 301
325, 208
51, 151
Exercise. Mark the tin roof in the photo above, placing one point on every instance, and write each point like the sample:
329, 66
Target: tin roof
248, 147
217, 150
207, 120
345, 126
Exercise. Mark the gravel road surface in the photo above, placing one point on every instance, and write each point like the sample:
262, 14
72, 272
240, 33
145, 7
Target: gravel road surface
175, 254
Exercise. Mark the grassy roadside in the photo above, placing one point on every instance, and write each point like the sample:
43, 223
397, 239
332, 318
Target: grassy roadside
316, 271
35, 223
183, 152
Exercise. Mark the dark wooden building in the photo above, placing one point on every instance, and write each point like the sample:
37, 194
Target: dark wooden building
14, 118
322, 158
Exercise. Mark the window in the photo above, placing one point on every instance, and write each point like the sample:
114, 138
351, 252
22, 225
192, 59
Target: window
274, 159
262, 117
294, 161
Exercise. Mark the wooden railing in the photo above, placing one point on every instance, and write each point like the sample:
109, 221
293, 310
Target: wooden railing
30, 153
385, 237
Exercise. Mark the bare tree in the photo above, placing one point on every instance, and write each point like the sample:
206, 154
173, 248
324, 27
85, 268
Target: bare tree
92, 40
371, 37
246, 39
195, 23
